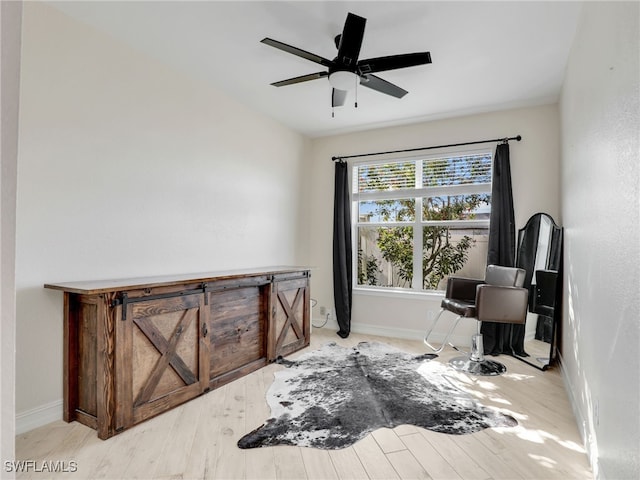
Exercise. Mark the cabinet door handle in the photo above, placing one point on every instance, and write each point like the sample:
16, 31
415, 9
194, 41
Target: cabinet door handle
204, 330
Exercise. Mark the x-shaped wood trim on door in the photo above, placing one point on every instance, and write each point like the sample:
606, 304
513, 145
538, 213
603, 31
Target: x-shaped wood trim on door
169, 356
292, 319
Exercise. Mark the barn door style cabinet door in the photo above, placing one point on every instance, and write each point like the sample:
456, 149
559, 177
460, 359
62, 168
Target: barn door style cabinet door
136, 348
164, 345
289, 316
238, 319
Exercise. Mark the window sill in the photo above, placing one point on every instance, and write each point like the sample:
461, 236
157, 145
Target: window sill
398, 293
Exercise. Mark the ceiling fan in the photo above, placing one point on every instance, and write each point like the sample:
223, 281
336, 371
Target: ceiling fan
346, 71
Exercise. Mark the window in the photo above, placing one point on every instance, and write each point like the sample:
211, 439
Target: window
419, 220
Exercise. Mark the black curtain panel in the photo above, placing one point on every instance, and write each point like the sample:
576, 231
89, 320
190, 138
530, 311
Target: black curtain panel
502, 230
342, 267
502, 245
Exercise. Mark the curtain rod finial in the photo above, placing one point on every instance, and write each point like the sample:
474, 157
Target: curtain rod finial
519, 137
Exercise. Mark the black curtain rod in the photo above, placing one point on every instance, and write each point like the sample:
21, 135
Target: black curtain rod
506, 139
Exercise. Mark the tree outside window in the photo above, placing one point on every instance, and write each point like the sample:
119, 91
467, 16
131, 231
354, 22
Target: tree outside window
419, 221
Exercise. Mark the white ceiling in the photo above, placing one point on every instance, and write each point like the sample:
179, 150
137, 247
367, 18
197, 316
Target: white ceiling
486, 55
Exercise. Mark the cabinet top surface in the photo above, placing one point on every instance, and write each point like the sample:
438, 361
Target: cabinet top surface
102, 286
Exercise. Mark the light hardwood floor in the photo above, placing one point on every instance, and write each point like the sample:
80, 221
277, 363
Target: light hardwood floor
198, 439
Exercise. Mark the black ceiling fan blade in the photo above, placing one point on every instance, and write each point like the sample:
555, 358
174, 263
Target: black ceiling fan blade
382, 86
297, 51
393, 62
351, 40
338, 97
302, 78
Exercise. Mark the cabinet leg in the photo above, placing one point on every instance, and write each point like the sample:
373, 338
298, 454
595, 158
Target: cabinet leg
106, 401
70, 361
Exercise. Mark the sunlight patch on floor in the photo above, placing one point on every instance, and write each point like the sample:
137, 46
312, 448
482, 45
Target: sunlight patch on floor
530, 435
517, 376
544, 461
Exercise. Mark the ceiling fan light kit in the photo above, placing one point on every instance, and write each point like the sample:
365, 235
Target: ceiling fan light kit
346, 71
343, 80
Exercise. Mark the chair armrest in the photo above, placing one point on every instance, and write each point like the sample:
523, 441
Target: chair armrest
501, 304
461, 288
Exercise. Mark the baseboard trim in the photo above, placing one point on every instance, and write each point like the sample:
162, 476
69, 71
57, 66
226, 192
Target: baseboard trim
581, 420
39, 416
395, 332
319, 322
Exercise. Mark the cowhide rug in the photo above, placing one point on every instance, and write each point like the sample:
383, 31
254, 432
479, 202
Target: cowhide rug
332, 397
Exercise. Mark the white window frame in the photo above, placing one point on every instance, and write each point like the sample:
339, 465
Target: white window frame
417, 193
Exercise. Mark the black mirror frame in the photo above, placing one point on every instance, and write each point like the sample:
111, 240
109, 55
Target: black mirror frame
527, 247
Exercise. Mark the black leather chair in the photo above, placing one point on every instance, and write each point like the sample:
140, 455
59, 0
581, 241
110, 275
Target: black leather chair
498, 298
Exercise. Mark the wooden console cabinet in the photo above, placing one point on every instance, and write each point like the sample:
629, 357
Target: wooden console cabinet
136, 348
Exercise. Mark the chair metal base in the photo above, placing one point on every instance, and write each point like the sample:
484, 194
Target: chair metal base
483, 367
474, 362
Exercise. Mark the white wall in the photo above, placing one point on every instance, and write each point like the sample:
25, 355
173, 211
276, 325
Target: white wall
600, 206
10, 32
535, 175
127, 168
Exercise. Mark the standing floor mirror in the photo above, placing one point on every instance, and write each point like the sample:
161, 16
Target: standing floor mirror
540, 255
